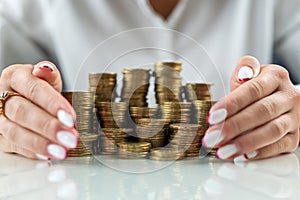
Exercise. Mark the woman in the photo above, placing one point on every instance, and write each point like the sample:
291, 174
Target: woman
258, 118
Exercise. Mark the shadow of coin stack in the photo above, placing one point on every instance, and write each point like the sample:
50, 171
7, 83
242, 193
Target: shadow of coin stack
82, 103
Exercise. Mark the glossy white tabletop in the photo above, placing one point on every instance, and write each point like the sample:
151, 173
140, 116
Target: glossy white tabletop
109, 178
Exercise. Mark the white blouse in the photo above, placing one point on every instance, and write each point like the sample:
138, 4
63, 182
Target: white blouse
208, 36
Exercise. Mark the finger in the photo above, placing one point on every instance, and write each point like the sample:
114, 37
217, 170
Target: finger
28, 140
48, 72
10, 147
287, 144
267, 109
29, 116
258, 138
21, 80
247, 68
265, 84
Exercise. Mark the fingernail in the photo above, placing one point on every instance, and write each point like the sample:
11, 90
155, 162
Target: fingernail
57, 176
212, 138
41, 157
44, 66
240, 158
217, 116
227, 151
65, 118
251, 155
57, 151
245, 74
67, 138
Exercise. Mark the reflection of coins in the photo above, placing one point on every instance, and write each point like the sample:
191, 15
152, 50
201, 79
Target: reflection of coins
166, 154
135, 87
168, 82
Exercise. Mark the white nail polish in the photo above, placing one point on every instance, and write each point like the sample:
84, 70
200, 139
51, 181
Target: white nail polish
41, 157
67, 191
240, 158
57, 176
251, 155
213, 138
227, 151
67, 138
245, 73
65, 118
57, 151
217, 116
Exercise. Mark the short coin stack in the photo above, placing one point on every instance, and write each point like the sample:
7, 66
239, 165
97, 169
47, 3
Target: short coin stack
154, 131
198, 91
168, 82
166, 154
187, 137
133, 150
110, 137
135, 87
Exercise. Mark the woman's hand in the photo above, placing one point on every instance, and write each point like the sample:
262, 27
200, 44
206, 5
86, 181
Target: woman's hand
260, 118
40, 123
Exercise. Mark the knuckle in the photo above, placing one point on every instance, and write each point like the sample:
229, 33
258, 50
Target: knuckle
50, 126
256, 89
282, 73
7, 72
232, 127
278, 128
268, 108
15, 109
33, 89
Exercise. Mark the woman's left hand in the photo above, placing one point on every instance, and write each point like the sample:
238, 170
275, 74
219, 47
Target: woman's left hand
259, 118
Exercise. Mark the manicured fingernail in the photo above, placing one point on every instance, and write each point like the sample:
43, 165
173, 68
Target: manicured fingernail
67, 138
251, 155
212, 138
44, 66
240, 158
245, 74
227, 151
57, 176
65, 118
57, 151
41, 157
217, 116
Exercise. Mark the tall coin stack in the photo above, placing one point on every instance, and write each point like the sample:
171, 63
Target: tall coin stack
135, 87
168, 82
154, 131
82, 103
112, 114
187, 138
176, 112
198, 91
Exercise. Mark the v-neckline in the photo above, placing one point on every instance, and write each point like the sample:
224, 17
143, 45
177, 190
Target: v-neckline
157, 19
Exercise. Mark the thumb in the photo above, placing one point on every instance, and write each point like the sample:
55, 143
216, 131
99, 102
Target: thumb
48, 72
246, 69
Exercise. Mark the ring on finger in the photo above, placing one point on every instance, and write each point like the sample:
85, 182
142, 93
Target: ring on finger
4, 96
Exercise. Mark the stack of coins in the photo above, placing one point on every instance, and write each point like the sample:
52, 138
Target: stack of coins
112, 114
168, 82
187, 137
87, 146
135, 87
198, 91
110, 137
154, 131
166, 154
137, 113
82, 103
133, 150
104, 85
176, 112
200, 112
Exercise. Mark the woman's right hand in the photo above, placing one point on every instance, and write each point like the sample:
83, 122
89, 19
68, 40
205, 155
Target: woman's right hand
40, 123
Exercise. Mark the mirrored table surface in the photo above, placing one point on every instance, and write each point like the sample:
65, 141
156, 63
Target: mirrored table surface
110, 178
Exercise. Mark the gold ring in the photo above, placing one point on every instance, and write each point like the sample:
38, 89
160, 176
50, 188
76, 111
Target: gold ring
3, 98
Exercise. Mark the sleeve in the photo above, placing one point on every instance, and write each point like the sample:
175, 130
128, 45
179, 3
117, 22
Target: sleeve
287, 36
23, 34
